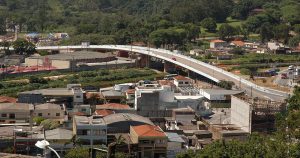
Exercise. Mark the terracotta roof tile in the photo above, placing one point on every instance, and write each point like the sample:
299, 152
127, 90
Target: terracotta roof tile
181, 78
5, 99
113, 106
238, 43
130, 91
104, 112
149, 131
166, 82
217, 41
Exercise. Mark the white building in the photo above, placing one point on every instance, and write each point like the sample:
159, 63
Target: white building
152, 96
181, 81
215, 44
218, 94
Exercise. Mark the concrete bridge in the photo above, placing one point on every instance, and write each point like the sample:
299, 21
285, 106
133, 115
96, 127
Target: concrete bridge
211, 72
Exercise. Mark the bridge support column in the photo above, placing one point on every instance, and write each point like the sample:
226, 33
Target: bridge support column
145, 61
168, 67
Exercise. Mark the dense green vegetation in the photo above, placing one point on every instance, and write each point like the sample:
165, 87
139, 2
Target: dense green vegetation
172, 23
100, 78
282, 143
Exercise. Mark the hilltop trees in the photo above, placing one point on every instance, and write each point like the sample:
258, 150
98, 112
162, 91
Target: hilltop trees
209, 24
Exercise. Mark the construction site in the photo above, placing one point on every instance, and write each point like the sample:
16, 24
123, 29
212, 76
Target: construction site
261, 113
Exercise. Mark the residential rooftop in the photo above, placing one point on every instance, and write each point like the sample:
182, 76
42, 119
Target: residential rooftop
174, 137
148, 131
112, 106
48, 106
78, 55
93, 120
181, 78
51, 92
15, 106
5, 99
104, 112
123, 117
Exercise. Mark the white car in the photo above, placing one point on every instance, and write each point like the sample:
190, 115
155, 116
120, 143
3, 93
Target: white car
291, 67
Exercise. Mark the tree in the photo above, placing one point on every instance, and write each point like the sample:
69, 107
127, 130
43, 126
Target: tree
49, 124
297, 28
2, 26
294, 41
34, 79
226, 32
192, 31
226, 84
266, 32
209, 24
237, 51
38, 120
281, 32
21, 46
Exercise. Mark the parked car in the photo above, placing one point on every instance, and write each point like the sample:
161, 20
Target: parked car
284, 76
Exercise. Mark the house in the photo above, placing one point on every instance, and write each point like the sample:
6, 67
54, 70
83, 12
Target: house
152, 141
112, 96
217, 44
175, 144
197, 52
237, 43
90, 130
67, 61
252, 45
181, 81
116, 107
278, 48
54, 112
121, 122
194, 102
153, 98
72, 95
15, 112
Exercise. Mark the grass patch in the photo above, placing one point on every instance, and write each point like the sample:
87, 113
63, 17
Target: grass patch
99, 78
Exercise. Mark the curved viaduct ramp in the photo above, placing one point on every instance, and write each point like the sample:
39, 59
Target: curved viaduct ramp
204, 69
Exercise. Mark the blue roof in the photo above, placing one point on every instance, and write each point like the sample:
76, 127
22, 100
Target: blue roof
174, 137
34, 34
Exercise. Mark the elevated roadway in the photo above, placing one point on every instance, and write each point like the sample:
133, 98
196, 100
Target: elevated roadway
213, 73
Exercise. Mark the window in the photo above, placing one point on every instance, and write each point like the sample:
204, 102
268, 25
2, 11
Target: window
40, 114
77, 96
57, 114
2, 120
144, 141
83, 132
186, 82
48, 114
12, 116
180, 82
3, 115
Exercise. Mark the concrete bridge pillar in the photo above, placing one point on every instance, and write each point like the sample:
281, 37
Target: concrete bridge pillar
145, 61
169, 67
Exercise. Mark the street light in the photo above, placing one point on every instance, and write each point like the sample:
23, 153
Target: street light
44, 144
